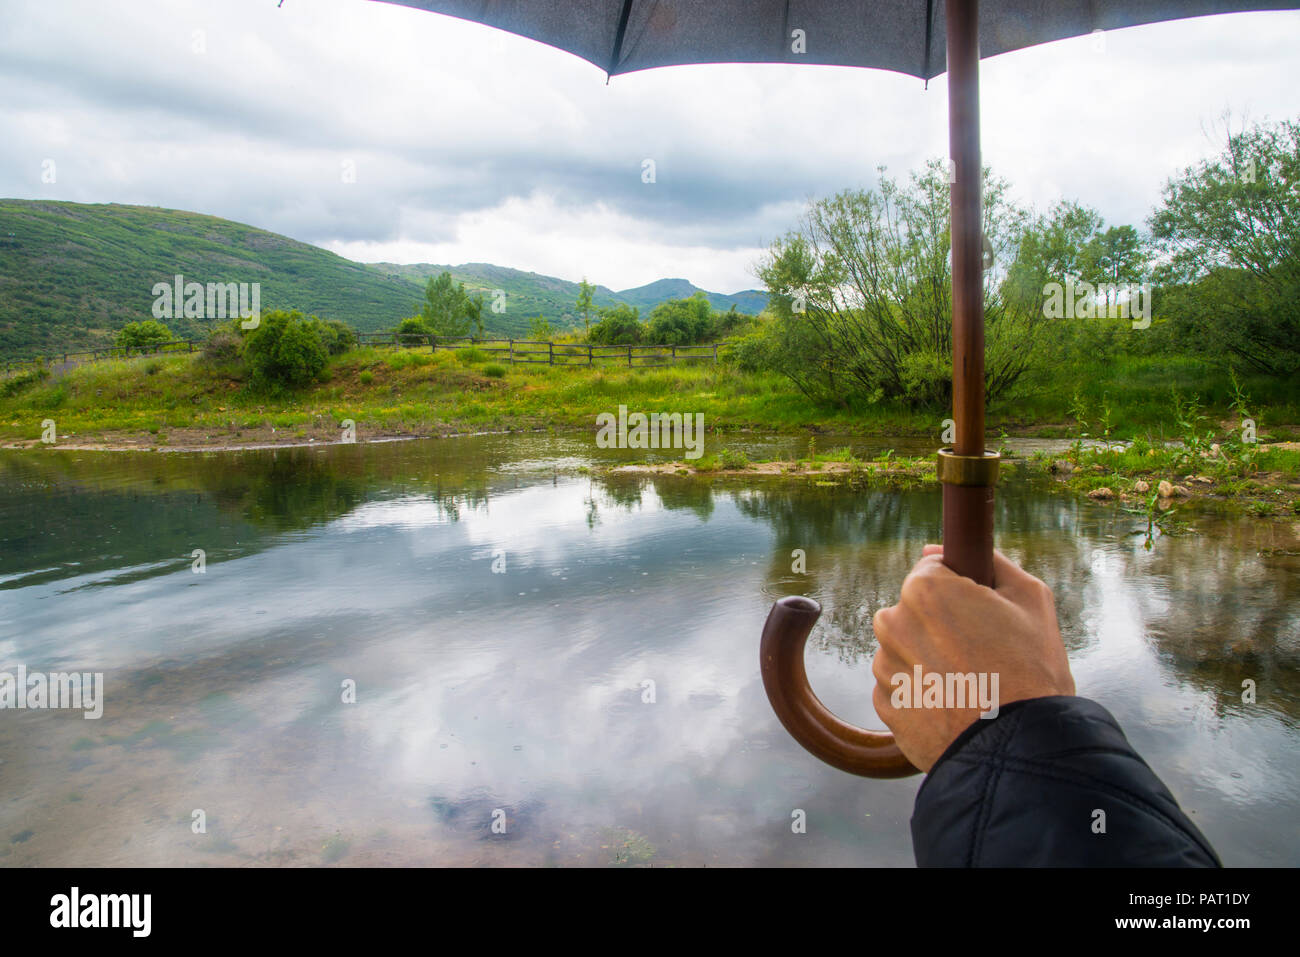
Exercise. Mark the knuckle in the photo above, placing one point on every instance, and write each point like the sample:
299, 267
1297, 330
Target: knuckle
880, 622
918, 589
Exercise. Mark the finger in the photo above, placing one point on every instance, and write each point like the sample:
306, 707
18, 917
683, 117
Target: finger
1012, 581
932, 550
880, 696
884, 665
884, 625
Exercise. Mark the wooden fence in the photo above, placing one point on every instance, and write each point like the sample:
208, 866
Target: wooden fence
510, 350
59, 359
550, 353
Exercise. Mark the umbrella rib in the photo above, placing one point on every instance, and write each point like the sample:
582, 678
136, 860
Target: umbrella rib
618, 39
929, 30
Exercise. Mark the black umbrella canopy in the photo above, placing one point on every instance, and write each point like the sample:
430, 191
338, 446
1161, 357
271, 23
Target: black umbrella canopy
907, 36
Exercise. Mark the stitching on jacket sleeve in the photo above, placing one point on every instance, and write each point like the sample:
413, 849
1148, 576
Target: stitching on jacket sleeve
1049, 771
1007, 733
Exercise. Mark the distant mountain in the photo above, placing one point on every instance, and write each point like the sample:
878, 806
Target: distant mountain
648, 296
529, 294
72, 274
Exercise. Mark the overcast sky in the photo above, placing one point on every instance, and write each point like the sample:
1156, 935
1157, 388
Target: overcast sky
472, 145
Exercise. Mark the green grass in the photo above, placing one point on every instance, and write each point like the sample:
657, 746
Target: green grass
1137, 391
419, 392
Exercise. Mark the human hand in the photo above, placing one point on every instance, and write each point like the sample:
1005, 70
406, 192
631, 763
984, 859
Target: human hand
1007, 636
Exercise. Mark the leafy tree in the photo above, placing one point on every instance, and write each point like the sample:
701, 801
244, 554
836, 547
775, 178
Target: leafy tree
729, 323
1118, 255
449, 310
475, 312
143, 335
284, 350
1055, 246
618, 325
1230, 231
680, 321
861, 294
585, 291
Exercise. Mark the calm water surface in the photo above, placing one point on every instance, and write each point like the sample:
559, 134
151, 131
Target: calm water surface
525, 690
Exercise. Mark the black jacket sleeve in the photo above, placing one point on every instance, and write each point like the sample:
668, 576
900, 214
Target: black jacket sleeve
1023, 790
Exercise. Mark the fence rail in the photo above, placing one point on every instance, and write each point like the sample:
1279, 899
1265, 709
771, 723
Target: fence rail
550, 353
512, 350
59, 359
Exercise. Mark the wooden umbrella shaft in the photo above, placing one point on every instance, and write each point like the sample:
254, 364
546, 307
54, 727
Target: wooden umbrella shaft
967, 509
967, 474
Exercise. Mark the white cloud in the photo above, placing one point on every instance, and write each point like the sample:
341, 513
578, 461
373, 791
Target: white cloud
474, 145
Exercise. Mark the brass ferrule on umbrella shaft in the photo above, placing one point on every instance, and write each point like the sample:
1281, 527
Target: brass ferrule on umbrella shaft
968, 470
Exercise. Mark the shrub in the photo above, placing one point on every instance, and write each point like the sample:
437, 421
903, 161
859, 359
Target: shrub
734, 460
366, 377
680, 321
337, 337
283, 351
618, 325
494, 370
143, 335
224, 347
471, 355
413, 332
19, 383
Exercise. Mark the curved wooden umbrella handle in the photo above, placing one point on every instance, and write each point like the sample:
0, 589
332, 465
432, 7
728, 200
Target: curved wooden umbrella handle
871, 754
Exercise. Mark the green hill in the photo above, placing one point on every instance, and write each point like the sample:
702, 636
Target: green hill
71, 274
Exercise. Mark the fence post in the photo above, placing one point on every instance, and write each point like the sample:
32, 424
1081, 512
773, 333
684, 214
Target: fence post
629, 357
715, 352
512, 351
591, 361
550, 353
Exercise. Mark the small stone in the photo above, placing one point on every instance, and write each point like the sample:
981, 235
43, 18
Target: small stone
1099, 468
1101, 494
1203, 479
1141, 487
1164, 489
1062, 466
1181, 491
1214, 450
